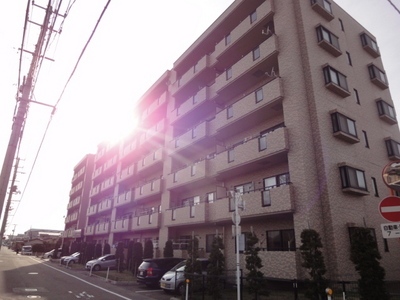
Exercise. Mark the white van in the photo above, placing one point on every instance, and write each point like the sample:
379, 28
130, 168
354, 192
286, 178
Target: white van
26, 250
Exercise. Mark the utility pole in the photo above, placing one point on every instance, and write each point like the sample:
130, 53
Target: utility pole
10, 194
23, 105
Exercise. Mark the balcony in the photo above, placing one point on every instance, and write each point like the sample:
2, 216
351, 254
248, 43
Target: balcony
247, 71
95, 190
247, 157
195, 136
154, 106
110, 163
257, 204
186, 215
103, 228
76, 188
243, 32
150, 162
89, 230
154, 133
145, 222
247, 112
97, 172
147, 190
196, 105
122, 225
123, 198
126, 173
104, 205
200, 73
73, 203
92, 210
188, 175
129, 148
107, 184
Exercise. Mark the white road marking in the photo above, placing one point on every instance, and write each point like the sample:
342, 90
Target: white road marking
87, 282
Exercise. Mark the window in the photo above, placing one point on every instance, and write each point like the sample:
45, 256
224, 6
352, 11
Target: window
229, 112
256, 53
348, 58
365, 137
194, 132
228, 73
191, 201
253, 17
141, 190
352, 178
175, 177
334, 76
193, 170
342, 124
241, 189
378, 77
271, 182
194, 99
369, 45
328, 41
393, 148
262, 141
341, 24
323, 7
374, 186
231, 155
259, 95
195, 68
371, 231
210, 197
243, 242
228, 39
356, 96
281, 240
386, 112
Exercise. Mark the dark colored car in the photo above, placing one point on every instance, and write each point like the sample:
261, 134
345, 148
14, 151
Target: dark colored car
151, 270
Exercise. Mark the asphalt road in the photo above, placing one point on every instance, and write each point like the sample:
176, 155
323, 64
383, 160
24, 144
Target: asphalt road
29, 277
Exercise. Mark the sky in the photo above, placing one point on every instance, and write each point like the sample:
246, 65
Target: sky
133, 46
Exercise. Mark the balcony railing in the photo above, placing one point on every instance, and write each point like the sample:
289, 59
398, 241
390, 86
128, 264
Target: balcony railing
103, 228
185, 215
89, 230
108, 183
150, 160
104, 205
121, 225
191, 137
126, 173
147, 221
123, 198
92, 210
187, 175
95, 190
154, 106
149, 189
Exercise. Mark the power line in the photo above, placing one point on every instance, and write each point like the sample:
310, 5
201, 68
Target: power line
394, 6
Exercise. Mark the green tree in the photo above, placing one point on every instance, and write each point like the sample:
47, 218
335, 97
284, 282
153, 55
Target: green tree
97, 250
89, 251
193, 265
119, 255
137, 256
253, 265
106, 249
313, 261
168, 250
148, 249
365, 256
129, 255
216, 268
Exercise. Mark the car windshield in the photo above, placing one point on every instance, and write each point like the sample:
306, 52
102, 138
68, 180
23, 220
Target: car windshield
75, 254
103, 257
179, 267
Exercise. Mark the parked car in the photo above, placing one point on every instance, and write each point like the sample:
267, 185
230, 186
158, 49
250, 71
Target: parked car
151, 270
103, 262
51, 254
70, 259
174, 279
26, 250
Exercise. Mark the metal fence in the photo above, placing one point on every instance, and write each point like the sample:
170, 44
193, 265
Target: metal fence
273, 289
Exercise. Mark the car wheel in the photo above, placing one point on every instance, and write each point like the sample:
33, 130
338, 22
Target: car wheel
96, 268
181, 289
167, 291
49, 257
71, 262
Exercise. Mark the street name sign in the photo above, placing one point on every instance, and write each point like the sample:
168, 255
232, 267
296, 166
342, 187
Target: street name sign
390, 208
391, 230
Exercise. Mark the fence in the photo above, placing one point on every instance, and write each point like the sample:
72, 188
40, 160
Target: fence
272, 289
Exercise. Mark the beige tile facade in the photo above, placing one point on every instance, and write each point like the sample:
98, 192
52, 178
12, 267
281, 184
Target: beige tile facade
275, 100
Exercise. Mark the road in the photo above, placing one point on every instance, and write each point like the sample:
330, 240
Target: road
29, 277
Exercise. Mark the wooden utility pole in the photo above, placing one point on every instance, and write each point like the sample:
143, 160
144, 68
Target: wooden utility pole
23, 105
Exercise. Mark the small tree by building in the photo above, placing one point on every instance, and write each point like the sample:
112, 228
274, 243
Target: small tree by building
137, 256
129, 255
193, 265
365, 255
119, 255
89, 251
148, 249
313, 261
253, 265
168, 250
216, 268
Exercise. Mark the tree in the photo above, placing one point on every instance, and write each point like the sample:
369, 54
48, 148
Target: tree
313, 261
97, 250
253, 265
216, 268
168, 250
129, 255
365, 255
119, 255
193, 265
106, 249
89, 252
148, 249
137, 256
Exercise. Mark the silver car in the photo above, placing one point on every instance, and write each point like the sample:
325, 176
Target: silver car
103, 262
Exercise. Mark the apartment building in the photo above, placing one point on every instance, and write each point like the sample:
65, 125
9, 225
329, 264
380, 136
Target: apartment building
81, 183
283, 102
